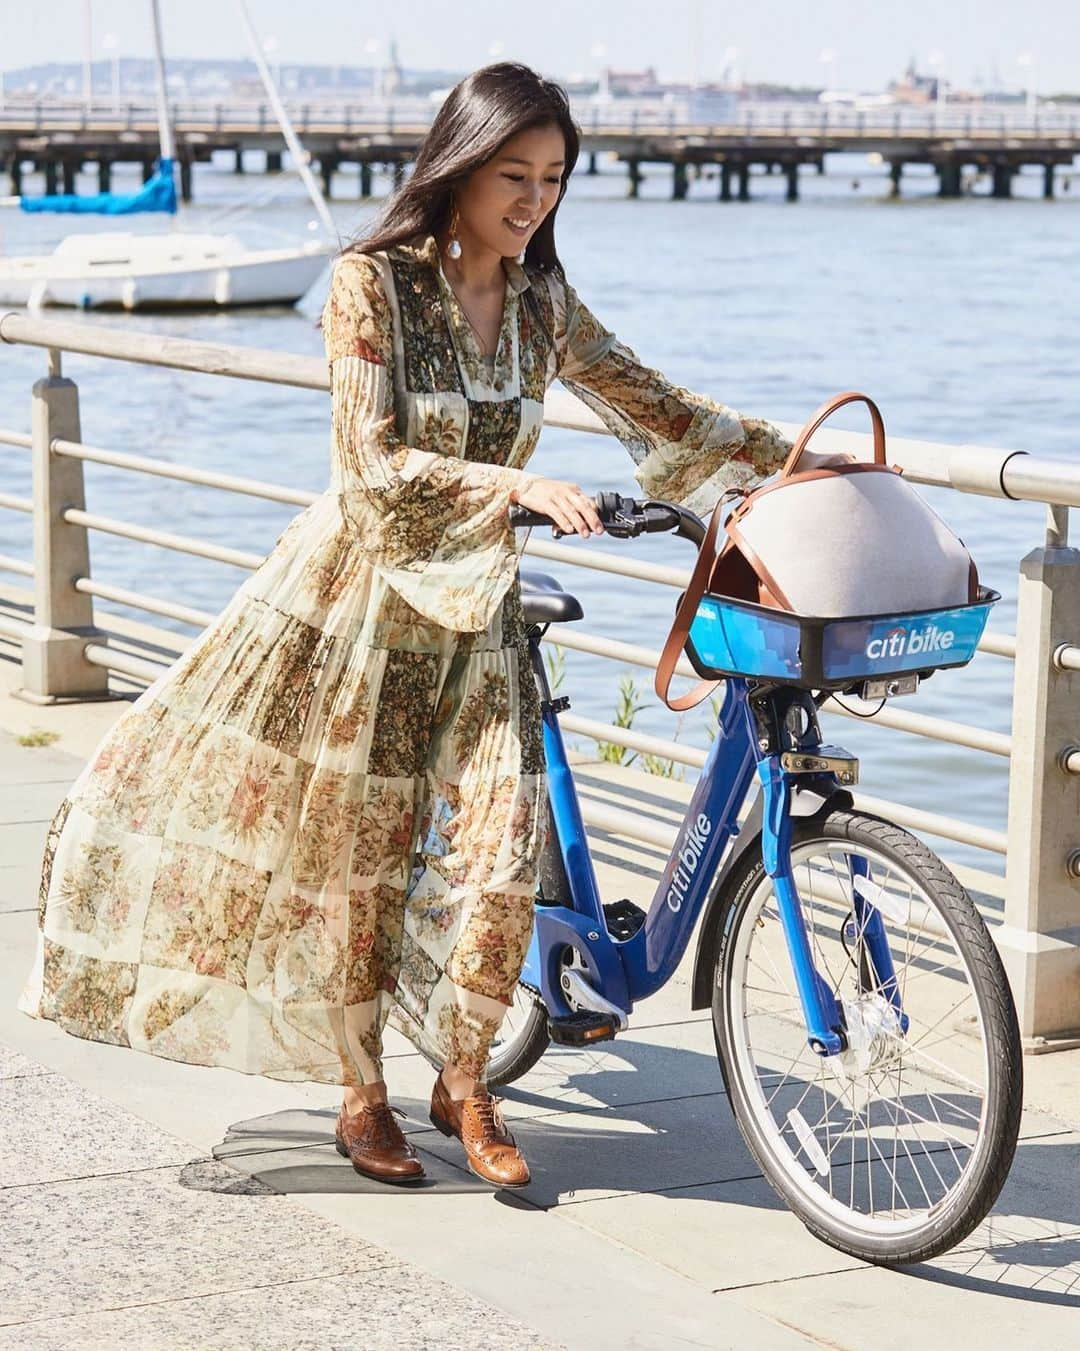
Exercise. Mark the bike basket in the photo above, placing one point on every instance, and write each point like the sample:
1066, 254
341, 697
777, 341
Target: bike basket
734, 637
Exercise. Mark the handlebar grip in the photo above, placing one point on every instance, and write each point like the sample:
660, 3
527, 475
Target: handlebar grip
521, 516
624, 517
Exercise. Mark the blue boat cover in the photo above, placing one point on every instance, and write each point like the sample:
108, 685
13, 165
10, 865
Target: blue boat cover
156, 194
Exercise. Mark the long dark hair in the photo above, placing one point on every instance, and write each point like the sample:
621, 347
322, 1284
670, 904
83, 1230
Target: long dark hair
477, 117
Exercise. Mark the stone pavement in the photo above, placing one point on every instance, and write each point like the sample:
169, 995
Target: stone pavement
148, 1203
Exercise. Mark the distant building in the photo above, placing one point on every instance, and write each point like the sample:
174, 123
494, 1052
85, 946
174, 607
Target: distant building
913, 87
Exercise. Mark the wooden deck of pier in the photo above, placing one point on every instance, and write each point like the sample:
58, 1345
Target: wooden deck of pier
60, 143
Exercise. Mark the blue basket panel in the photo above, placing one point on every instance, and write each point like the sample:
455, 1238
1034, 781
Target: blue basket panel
731, 638
903, 642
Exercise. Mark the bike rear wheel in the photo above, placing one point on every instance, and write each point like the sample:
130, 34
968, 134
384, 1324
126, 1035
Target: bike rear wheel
521, 1040
895, 1150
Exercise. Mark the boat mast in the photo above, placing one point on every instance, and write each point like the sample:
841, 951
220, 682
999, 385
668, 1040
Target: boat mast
164, 126
296, 150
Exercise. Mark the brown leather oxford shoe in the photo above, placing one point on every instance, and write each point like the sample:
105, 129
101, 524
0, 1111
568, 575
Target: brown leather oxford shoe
374, 1143
478, 1124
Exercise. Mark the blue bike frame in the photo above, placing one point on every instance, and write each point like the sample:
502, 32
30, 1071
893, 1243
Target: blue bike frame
625, 971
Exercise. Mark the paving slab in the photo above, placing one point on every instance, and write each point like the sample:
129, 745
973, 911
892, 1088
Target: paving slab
382, 1310
19, 886
140, 1256
31, 801
557, 1277
739, 1233
15, 1066
140, 1237
52, 1129
23, 841
984, 1300
21, 764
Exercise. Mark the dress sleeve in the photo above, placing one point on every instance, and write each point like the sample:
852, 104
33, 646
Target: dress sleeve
435, 526
687, 447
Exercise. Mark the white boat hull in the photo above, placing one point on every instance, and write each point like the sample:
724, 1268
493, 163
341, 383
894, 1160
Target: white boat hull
134, 272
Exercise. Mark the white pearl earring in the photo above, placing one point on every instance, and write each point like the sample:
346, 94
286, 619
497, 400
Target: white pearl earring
453, 248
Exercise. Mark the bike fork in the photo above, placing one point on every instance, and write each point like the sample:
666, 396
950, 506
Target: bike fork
822, 1013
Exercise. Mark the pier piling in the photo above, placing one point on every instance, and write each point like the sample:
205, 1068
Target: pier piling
633, 171
948, 178
678, 181
1003, 176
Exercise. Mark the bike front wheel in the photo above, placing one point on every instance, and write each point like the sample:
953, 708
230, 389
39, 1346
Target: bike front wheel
894, 1150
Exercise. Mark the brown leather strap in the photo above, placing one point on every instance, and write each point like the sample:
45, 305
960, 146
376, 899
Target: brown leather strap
769, 593
684, 617
826, 410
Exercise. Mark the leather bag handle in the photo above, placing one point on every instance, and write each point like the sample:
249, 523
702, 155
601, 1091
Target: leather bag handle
684, 617
826, 410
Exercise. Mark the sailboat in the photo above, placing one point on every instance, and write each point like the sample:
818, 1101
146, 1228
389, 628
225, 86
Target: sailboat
119, 269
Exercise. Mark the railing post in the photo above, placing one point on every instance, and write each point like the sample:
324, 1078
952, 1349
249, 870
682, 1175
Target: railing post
1040, 939
53, 667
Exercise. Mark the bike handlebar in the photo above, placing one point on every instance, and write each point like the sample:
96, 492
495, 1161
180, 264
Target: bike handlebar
625, 517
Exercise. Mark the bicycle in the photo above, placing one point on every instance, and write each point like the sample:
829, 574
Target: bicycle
862, 1019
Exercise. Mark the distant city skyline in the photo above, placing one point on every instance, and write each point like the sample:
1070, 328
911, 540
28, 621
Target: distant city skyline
836, 43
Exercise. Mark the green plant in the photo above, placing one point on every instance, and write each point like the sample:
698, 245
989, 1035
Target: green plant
714, 721
38, 737
555, 661
628, 706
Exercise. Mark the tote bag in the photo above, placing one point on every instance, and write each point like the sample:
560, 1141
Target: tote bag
836, 542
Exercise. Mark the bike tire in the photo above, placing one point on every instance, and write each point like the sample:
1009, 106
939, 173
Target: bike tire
977, 1187
515, 1056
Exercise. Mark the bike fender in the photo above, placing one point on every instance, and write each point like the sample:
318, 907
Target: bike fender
807, 800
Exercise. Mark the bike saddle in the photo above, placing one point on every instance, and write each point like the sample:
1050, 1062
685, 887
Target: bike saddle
545, 602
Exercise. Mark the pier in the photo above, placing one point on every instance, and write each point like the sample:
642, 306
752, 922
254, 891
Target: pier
58, 140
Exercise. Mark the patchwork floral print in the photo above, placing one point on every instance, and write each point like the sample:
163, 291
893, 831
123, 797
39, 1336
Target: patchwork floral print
329, 811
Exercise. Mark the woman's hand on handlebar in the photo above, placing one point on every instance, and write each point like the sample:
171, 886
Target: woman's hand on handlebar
572, 510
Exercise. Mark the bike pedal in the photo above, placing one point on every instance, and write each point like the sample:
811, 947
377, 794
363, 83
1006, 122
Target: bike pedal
623, 919
582, 1029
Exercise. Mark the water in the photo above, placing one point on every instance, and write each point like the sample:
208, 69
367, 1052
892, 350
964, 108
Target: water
960, 318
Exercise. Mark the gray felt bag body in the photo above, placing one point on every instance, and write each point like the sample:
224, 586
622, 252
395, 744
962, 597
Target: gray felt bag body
854, 539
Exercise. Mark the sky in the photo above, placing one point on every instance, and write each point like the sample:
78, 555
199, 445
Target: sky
846, 44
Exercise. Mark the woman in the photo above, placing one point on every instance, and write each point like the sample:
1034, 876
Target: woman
329, 808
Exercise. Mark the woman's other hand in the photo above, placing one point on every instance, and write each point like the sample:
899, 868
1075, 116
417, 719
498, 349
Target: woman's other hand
571, 509
821, 459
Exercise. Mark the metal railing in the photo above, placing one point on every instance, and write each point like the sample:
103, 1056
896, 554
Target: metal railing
65, 654
701, 115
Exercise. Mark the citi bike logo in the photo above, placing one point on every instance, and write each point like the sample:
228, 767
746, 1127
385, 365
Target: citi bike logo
689, 856
900, 642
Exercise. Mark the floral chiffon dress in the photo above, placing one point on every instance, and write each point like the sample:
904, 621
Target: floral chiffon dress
329, 809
